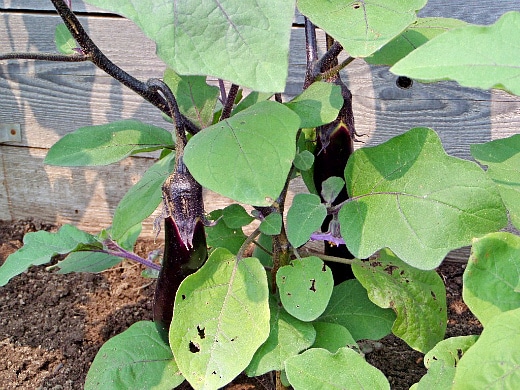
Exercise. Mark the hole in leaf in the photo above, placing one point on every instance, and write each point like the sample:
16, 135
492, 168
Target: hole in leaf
404, 82
201, 332
233, 339
459, 353
194, 348
324, 268
433, 295
313, 285
356, 6
183, 297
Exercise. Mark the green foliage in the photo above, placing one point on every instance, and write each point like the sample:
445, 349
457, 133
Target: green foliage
350, 307
143, 198
215, 342
418, 297
431, 202
107, 144
332, 336
288, 336
243, 41
272, 224
450, 55
502, 158
417, 34
221, 235
138, 358
331, 188
248, 156
65, 43
305, 216
362, 27
235, 216
318, 368
305, 287
491, 279
40, 247
494, 359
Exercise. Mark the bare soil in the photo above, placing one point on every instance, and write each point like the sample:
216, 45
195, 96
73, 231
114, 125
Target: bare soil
52, 325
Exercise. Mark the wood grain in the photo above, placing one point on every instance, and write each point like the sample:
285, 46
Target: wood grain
50, 100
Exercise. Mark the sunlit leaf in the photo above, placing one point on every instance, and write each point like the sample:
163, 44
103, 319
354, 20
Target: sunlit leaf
410, 196
220, 318
248, 156
492, 276
235, 216
65, 43
305, 216
362, 27
243, 41
474, 56
107, 144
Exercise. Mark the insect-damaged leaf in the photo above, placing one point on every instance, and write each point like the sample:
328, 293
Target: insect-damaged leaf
431, 202
216, 341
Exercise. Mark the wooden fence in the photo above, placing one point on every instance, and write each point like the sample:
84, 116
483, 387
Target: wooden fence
45, 100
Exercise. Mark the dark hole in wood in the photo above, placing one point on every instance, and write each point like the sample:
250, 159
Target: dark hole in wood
404, 82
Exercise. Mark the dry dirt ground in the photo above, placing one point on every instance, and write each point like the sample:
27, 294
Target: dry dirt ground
52, 325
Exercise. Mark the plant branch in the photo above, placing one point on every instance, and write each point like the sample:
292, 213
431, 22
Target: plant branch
44, 57
329, 57
249, 240
309, 252
96, 56
112, 248
311, 50
229, 102
332, 72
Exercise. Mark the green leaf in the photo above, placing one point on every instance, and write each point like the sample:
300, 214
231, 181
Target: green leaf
243, 41
195, 98
222, 236
502, 157
305, 287
305, 216
65, 43
304, 160
87, 262
332, 337
317, 105
491, 279
331, 188
107, 144
417, 34
248, 156
494, 361
350, 307
138, 358
253, 98
320, 369
288, 337
143, 198
431, 202
220, 318
474, 56
267, 243
449, 351
272, 224
235, 216
40, 247
439, 377
362, 27
418, 297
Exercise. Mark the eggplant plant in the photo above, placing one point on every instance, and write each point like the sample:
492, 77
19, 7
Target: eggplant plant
227, 303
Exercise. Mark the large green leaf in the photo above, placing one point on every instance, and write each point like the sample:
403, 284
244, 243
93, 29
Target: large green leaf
138, 358
195, 98
346, 369
143, 198
350, 307
288, 337
494, 361
243, 41
491, 279
87, 262
474, 56
317, 105
502, 157
305, 287
417, 34
39, 248
418, 297
248, 156
362, 27
410, 196
107, 144
332, 336
220, 318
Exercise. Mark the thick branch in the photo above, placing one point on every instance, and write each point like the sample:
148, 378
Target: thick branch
229, 102
44, 57
311, 49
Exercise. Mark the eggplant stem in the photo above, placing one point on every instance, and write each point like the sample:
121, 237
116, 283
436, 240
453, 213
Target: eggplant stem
249, 240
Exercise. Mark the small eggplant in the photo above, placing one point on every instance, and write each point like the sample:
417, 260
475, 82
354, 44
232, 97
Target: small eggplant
185, 248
